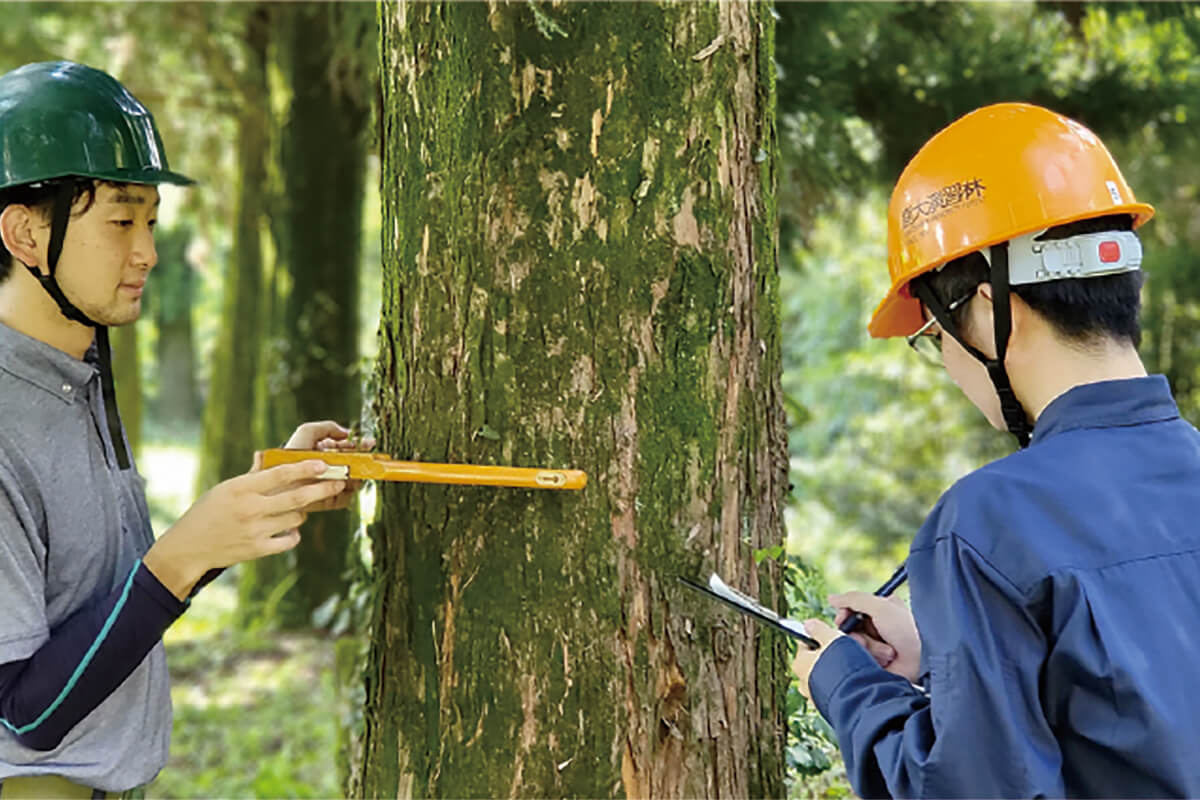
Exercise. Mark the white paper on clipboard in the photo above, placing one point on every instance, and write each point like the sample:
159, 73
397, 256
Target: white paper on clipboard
748, 605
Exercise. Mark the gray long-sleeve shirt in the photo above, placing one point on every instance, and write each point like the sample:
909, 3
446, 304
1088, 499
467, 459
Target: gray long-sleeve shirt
72, 526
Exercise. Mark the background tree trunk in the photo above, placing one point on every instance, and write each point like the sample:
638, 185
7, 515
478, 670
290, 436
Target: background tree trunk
177, 400
579, 271
326, 52
228, 431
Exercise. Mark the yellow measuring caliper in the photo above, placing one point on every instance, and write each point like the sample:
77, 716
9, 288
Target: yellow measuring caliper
345, 465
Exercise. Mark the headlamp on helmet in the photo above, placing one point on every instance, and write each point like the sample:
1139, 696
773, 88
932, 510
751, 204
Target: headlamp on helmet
1085, 255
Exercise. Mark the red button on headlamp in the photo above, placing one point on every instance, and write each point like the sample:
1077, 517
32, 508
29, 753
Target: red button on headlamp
1110, 252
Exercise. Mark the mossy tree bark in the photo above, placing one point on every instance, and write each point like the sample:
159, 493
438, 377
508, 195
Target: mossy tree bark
327, 55
580, 270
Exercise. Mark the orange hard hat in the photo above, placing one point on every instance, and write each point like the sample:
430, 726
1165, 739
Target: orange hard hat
999, 172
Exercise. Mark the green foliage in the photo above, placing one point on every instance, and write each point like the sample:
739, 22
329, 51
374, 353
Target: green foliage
255, 715
875, 434
883, 433
1168, 175
811, 749
863, 85
812, 744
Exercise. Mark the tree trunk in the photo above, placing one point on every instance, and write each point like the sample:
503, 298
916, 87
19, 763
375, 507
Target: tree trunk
177, 393
323, 169
228, 434
177, 399
579, 271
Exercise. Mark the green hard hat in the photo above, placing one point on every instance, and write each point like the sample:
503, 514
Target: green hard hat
60, 119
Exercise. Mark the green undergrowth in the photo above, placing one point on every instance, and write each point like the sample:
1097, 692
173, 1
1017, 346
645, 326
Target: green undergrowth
814, 767
255, 716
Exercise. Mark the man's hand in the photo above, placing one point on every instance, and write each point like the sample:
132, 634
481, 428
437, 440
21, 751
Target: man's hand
889, 633
326, 435
806, 659
241, 519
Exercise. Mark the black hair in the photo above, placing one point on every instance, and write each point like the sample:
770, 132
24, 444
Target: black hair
1081, 310
40, 197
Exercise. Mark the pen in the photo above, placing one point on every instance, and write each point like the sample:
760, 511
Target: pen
856, 619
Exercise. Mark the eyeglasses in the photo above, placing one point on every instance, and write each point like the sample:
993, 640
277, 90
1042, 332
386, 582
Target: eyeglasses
928, 342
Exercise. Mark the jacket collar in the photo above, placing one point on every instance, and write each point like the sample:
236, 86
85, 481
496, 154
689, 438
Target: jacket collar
45, 366
1108, 404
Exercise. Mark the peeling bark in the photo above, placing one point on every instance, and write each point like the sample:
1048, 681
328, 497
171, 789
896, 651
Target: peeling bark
580, 270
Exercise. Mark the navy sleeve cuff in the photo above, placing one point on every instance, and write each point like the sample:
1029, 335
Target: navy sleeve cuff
85, 660
170, 605
841, 659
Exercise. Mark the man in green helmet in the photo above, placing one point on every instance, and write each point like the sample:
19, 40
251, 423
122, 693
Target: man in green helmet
85, 591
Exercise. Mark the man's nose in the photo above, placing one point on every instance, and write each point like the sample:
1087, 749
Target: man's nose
145, 254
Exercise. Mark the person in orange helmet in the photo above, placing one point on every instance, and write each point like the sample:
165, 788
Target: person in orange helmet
1049, 648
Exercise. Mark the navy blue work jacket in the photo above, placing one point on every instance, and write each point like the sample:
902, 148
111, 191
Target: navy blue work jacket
1057, 594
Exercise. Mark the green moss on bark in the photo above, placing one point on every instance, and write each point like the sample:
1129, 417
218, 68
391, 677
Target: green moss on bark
570, 240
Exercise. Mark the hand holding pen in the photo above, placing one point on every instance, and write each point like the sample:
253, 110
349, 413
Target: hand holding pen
857, 618
883, 625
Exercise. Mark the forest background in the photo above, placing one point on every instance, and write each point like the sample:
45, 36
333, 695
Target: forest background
264, 308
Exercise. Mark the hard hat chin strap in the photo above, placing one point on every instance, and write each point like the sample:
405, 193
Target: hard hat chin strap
109, 391
1015, 418
1014, 415
60, 215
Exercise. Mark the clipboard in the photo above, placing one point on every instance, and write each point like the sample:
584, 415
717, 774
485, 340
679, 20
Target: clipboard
719, 590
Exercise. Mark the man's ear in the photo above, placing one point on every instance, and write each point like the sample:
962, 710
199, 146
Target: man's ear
1024, 323
981, 326
1018, 309
19, 230
1020, 316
